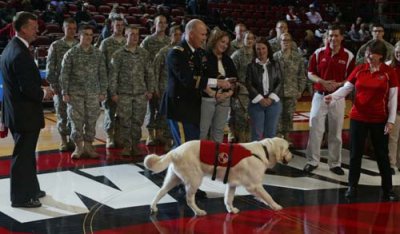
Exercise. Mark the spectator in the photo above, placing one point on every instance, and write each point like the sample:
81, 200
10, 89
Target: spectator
263, 80
373, 112
237, 43
313, 16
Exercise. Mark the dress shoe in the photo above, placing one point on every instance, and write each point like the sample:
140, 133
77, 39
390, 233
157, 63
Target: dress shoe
40, 194
309, 168
392, 171
32, 203
351, 192
390, 196
337, 170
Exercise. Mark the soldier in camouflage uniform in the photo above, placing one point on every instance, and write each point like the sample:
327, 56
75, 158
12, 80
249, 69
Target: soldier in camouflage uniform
293, 82
281, 27
153, 43
161, 80
54, 58
238, 42
132, 85
83, 85
108, 46
239, 119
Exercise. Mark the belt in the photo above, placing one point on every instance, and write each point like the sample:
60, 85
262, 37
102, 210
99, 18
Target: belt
324, 93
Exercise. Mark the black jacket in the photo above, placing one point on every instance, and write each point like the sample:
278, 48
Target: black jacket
186, 81
212, 67
22, 104
254, 76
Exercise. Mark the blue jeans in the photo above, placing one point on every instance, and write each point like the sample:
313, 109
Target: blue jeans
264, 120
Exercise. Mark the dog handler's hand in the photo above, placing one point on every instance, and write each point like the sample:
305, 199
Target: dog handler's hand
388, 128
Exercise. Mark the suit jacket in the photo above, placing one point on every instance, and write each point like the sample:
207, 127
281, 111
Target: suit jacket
186, 80
22, 104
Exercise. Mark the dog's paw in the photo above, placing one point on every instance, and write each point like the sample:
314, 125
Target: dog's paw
234, 210
200, 213
276, 207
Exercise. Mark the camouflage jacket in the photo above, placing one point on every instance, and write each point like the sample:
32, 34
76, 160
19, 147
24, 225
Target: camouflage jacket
108, 47
83, 72
360, 57
153, 44
131, 72
293, 73
55, 56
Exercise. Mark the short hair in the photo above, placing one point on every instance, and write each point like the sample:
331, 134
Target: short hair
191, 25
378, 47
174, 28
85, 27
216, 35
69, 21
286, 34
333, 27
21, 19
116, 18
263, 40
159, 16
131, 27
377, 25
282, 22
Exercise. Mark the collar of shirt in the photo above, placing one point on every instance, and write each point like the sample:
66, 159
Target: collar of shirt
191, 47
26, 43
258, 61
328, 50
265, 79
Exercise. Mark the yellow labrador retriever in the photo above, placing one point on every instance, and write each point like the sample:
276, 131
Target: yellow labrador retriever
186, 166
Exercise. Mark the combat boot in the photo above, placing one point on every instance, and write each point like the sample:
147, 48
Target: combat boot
63, 144
89, 150
78, 150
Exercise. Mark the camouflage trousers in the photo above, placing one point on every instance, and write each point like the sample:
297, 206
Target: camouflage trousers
63, 124
83, 111
286, 120
239, 118
131, 110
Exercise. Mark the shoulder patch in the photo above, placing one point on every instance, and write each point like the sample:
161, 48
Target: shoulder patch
178, 48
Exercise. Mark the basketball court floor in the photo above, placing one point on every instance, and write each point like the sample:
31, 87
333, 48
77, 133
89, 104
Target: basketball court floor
112, 195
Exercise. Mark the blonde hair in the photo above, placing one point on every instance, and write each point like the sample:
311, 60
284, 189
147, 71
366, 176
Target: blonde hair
309, 35
393, 61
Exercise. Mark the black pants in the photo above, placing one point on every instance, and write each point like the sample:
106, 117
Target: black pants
358, 134
24, 184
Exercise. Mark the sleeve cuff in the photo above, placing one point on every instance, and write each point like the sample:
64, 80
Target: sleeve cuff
258, 98
212, 82
274, 97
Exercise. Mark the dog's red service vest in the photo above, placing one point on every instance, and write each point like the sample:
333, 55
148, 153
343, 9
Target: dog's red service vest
208, 153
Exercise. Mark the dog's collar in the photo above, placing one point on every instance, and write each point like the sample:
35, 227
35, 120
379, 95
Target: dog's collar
265, 151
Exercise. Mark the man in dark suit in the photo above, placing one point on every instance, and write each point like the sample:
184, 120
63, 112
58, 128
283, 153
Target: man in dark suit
22, 110
186, 65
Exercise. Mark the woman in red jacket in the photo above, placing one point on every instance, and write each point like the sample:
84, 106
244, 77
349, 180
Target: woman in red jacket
394, 137
373, 111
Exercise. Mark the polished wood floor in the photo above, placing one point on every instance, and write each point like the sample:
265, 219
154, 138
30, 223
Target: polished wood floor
112, 195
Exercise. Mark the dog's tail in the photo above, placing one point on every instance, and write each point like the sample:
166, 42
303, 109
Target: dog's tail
157, 163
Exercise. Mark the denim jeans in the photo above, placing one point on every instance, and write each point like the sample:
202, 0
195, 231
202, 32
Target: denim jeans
264, 120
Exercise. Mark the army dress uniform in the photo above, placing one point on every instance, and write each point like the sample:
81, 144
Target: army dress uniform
181, 101
55, 56
293, 83
108, 47
131, 77
83, 78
